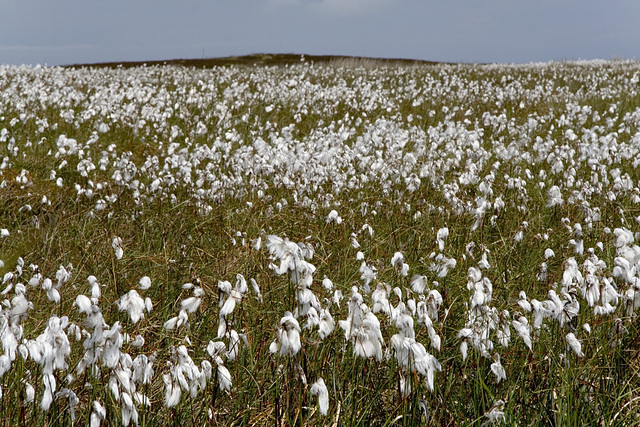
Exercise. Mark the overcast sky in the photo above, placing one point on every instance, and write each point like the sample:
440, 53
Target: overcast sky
59, 32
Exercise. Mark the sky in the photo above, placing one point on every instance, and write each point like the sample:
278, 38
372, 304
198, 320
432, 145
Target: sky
61, 32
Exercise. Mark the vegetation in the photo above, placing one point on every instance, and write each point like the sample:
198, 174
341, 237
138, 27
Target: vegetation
320, 243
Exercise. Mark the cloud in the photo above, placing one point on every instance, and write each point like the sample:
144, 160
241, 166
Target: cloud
39, 48
350, 7
279, 3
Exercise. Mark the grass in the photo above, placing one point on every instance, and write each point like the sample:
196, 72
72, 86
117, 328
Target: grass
263, 59
177, 236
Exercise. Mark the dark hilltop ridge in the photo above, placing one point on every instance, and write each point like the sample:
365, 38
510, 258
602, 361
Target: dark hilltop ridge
260, 59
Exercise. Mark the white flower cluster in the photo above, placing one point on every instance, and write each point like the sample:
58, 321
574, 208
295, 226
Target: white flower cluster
336, 143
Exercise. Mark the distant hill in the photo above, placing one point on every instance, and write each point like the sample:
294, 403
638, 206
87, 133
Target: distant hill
261, 59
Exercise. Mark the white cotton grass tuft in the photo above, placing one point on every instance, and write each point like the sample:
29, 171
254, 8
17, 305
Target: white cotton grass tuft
518, 236
256, 244
224, 378
495, 415
413, 356
173, 392
8, 277
337, 297
49, 382
554, 197
230, 303
217, 350
96, 292
229, 297
191, 304
498, 369
84, 304
574, 344
293, 258
354, 241
319, 389
29, 392
521, 325
623, 237
235, 339
334, 217
256, 288
326, 323
441, 236
187, 306
368, 229
177, 321
419, 283
117, 247
98, 414
144, 283
484, 262
133, 304
287, 341
523, 302
362, 328
442, 265
397, 261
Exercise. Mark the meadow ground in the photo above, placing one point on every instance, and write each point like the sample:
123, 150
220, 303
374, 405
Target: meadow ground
346, 242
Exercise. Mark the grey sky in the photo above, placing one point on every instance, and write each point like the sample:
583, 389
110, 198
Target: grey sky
83, 31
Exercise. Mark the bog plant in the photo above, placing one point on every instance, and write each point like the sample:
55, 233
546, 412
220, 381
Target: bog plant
320, 244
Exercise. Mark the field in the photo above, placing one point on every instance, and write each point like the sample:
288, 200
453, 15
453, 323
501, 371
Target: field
348, 242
